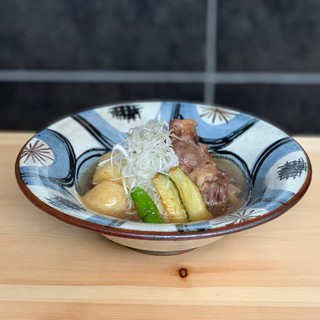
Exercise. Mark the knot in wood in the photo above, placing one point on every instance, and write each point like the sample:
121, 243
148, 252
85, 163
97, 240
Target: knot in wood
183, 272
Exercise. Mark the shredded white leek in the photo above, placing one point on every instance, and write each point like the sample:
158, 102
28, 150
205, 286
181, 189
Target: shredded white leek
145, 151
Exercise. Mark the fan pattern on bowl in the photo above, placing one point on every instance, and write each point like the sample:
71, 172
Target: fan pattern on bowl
53, 160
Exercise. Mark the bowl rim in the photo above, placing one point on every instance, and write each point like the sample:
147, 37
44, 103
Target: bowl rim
162, 235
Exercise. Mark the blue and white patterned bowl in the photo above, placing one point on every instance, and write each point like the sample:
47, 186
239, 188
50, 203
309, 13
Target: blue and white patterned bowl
49, 167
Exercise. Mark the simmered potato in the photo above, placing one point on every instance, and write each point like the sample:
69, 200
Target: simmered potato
107, 197
108, 171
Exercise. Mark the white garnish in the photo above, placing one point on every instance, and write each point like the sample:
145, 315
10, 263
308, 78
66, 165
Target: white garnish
144, 152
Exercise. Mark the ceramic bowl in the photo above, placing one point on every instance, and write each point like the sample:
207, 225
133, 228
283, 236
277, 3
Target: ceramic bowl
50, 166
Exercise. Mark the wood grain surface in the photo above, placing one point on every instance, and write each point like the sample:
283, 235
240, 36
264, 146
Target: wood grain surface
52, 270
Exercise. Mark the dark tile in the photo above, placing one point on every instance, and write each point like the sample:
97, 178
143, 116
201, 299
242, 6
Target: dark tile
295, 109
269, 35
102, 34
33, 106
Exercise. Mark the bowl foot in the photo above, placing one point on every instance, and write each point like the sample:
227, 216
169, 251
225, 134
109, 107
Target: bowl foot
161, 253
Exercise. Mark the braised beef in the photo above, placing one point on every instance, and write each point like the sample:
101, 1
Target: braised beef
215, 185
185, 144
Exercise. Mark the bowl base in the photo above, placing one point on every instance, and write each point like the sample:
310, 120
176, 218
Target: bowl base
161, 253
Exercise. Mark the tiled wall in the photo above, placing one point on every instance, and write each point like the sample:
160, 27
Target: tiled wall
60, 57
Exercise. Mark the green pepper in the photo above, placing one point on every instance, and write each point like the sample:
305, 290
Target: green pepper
146, 208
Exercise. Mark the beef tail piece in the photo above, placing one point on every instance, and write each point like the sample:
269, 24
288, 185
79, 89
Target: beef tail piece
195, 160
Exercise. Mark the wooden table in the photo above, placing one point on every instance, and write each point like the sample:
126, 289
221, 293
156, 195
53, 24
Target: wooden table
52, 270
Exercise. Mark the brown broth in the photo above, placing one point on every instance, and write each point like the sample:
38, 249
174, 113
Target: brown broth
239, 180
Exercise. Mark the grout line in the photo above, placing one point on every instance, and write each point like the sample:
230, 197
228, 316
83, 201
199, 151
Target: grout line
266, 78
100, 76
211, 50
160, 77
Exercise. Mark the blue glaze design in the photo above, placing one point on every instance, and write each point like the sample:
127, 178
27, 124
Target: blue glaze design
217, 136
84, 163
99, 128
169, 111
60, 174
272, 199
196, 226
266, 161
105, 221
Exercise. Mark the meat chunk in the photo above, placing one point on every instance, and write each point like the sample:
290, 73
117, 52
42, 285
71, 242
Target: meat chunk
212, 183
219, 191
189, 154
184, 129
185, 145
194, 159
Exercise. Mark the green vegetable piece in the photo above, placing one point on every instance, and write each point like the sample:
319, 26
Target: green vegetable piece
170, 199
190, 195
145, 206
